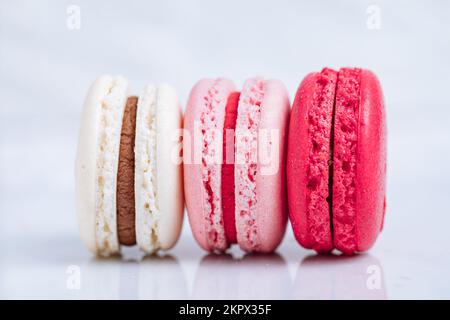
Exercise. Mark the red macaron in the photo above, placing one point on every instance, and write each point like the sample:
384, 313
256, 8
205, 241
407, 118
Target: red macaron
336, 161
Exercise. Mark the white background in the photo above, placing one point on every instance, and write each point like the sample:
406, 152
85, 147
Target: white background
46, 68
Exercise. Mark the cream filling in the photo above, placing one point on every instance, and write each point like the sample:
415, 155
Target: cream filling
112, 107
147, 208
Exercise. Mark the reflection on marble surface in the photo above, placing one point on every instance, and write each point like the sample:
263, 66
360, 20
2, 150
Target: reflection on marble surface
32, 267
252, 276
339, 277
153, 277
162, 278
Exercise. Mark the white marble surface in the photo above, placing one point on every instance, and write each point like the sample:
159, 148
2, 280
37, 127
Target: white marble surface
45, 70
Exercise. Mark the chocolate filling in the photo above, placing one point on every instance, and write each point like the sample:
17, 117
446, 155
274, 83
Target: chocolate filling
125, 176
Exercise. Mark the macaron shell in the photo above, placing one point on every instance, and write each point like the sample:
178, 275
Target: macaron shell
191, 168
145, 172
271, 175
170, 193
86, 162
246, 163
192, 155
371, 162
345, 148
359, 161
307, 165
297, 160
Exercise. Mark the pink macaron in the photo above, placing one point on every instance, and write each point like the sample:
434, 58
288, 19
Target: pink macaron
234, 147
336, 161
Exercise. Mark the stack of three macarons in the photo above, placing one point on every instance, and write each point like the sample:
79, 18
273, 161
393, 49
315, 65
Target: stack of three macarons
249, 160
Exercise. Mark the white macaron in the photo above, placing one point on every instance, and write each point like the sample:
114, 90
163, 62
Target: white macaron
128, 170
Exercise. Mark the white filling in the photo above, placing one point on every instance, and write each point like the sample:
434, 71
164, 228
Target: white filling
147, 208
112, 107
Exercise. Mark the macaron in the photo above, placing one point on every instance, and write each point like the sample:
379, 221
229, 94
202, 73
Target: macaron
234, 148
129, 181
336, 161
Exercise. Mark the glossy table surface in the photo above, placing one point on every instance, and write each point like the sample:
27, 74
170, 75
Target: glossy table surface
46, 67
60, 267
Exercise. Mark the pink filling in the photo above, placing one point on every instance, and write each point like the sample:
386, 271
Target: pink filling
228, 206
